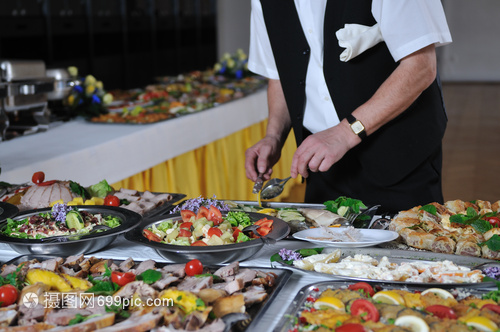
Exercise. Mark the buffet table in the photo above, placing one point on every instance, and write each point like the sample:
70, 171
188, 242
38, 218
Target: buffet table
197, 154
122, 249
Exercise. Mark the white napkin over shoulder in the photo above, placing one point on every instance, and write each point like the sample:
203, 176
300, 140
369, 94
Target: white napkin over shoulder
356, 39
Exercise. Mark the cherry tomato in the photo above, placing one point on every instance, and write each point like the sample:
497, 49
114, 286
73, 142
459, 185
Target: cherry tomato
184, 232
187, 225
365, 309
493, 307
187, 215
494, 221
38, 177
122, 278
350, 327
151, 236
199, 243
441, 311
194, 267
202, 213
214, 231
112, 200
214, 215
8, 295
365, 287
47, 183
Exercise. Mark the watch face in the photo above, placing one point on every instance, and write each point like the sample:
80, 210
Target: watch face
357, 127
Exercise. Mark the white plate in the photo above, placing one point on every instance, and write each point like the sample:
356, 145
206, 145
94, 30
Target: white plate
369, 237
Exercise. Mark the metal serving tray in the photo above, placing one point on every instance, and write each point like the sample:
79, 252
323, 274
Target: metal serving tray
398, 256
298, 304
255, 312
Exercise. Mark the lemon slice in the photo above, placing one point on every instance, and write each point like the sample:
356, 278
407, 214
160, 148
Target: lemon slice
329, 302
444, 294
268, 211
388, 297
481, 323
414, 323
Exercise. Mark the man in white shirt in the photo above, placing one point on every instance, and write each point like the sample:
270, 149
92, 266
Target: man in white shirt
370, 127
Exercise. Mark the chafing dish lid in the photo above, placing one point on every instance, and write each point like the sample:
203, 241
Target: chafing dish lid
21, 70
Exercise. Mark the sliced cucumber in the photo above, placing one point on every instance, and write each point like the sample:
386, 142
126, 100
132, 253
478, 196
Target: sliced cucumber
74, 220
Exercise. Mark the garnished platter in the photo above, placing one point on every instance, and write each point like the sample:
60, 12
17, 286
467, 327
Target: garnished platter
399, 257
368, 237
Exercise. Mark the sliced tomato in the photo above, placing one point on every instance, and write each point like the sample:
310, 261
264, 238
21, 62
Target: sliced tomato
122, 278
184, 232
264, 222
236, 232
187, 215
214, 231
38, 177
199, 243
493, 307
365, 310
214, 215
494, 221
202, 213
47, 183
263, 230
151, 236
442, 311
350, 327
365, 287
186, 225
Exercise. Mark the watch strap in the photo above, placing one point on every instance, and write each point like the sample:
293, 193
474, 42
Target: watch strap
351, 119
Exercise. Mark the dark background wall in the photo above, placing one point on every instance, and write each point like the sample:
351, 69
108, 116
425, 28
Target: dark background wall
124, 43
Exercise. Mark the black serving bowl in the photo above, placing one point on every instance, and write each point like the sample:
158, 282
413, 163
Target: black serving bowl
84, 245
207, 254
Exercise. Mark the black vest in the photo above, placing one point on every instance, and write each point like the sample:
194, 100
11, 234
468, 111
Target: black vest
396, 148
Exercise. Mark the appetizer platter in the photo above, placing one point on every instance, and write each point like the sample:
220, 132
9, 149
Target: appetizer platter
43, 194
346, 237
64, 229
378, 265
79, 293
456, 227
348, 306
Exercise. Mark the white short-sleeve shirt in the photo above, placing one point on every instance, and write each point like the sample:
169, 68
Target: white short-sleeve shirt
406, 26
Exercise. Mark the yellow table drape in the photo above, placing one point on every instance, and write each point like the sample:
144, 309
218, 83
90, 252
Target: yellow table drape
217, 168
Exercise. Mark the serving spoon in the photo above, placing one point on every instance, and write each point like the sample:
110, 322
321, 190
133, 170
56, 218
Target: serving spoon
273, 188
253, 229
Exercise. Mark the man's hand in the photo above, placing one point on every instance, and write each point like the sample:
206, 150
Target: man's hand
318, 152
261, 157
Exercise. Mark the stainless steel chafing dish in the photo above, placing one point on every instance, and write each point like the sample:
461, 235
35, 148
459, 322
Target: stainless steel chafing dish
24, 106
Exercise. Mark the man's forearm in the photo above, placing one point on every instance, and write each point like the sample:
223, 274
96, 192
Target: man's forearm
279, 122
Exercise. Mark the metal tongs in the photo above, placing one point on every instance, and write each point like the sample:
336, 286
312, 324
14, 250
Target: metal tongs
258, 184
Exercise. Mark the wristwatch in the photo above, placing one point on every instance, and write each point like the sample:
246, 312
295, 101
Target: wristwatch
356, 126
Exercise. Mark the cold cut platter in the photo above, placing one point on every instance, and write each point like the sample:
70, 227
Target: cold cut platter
83, 293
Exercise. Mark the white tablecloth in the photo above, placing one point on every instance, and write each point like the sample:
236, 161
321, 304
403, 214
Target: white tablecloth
122, 249
89, 152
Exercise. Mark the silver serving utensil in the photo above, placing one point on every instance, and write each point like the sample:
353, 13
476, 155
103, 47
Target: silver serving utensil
1, 211
253, 229
64, 238
273, 188
258, 184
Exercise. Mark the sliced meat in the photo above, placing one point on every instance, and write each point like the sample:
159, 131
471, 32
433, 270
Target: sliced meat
63, 316
91, 324
130, 198
233, 286
127, 191
7, 269
7, 317
194, 284
178, 270
136, 323
144, 290
127, 264
146, 265
166, 279
247, 275
52, 264
254, 294
74, 260
160, 198
228, 270
30, 316
135, 207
